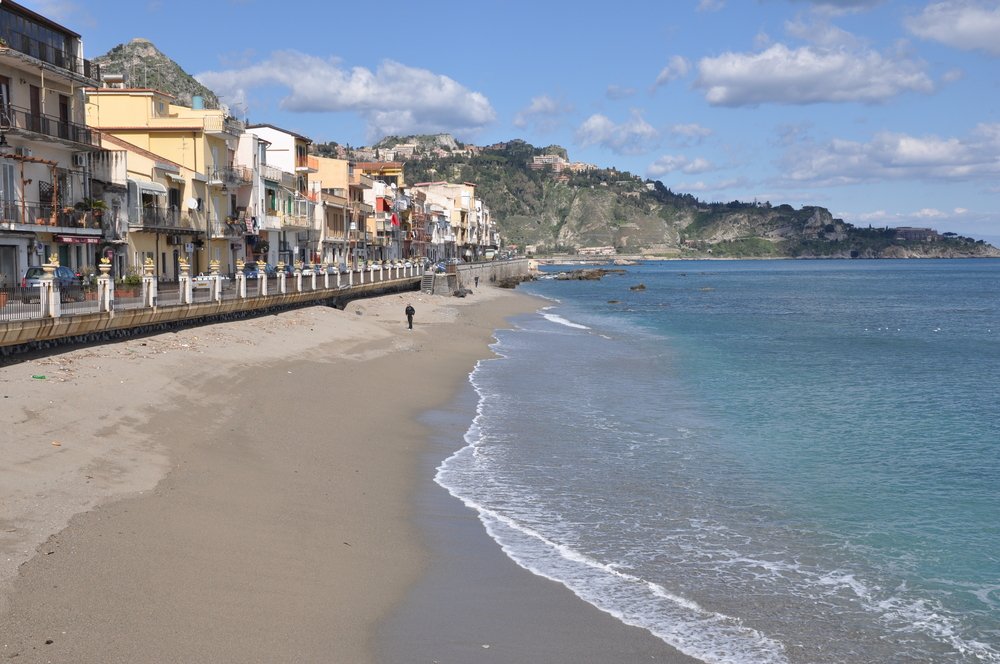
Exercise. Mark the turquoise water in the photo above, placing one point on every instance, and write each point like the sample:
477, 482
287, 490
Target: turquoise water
760, 461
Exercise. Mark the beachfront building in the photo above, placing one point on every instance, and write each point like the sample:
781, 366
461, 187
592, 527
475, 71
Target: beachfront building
250, 162
331, 182
358, 214
414, 223
44, 144
457, 202
384, 223
484, 237
184, 196
290, 206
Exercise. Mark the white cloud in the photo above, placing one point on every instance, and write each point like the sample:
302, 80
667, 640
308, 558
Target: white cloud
807, 75
635, 136
710, 5
672, 163
821, 33
838, 7
394, 99
701, 185
691, 133
965, 25
920, 217
892, 155
543, 111
619, 92
677, 67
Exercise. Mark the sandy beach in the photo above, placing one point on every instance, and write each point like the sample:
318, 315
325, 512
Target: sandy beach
260, 491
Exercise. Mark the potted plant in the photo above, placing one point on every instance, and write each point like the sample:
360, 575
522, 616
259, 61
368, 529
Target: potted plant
128, 286
88, 281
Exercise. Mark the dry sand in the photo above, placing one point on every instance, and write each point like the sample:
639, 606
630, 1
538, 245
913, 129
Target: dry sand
236, 492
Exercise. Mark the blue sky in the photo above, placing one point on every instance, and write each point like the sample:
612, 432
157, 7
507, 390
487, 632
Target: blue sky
885, 112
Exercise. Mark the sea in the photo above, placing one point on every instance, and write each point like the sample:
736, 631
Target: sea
756, 461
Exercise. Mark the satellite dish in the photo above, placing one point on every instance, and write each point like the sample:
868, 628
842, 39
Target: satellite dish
191, 203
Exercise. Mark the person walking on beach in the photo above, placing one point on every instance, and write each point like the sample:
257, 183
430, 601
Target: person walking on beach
477, 281
409, 315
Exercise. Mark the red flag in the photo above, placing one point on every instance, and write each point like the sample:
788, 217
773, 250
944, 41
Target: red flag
395, 219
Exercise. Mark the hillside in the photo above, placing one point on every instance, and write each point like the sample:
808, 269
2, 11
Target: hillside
557, 209
144, 66
564, 211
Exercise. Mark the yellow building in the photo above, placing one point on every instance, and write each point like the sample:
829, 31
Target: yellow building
185, 197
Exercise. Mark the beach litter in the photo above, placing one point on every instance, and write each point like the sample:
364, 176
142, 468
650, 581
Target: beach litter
39, 377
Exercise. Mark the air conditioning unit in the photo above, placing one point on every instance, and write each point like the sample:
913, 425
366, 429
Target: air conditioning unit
79, 160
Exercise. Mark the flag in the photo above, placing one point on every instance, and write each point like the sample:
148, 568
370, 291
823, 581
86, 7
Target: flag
395, 219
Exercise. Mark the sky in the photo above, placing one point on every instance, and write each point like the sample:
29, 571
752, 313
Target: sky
885, 112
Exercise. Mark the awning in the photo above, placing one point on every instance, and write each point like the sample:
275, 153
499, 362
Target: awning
77, 239
150, 187
175, 178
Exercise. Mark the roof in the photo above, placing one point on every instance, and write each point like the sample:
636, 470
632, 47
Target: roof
21, 9
114, 140
276, 128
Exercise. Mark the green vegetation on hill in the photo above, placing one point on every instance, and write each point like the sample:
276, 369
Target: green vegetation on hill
561, 212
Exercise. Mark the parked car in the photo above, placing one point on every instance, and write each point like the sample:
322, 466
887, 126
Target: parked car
252, 270
69, 283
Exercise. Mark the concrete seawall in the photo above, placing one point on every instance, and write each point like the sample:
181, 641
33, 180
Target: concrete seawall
18, 336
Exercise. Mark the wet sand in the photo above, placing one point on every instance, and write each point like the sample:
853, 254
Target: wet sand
256, 491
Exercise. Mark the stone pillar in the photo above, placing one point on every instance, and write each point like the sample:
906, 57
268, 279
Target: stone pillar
148, 283
326, 275
281, 277
105, 289
298, 276
241, 279
213, 270
49, 290
184, 280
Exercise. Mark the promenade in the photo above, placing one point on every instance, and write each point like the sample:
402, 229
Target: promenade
37, 316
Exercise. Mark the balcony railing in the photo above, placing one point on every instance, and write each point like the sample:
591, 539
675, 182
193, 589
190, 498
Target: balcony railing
19, 118
236, 175
270, 173
161, 218
36, 214
53, 56
216, 124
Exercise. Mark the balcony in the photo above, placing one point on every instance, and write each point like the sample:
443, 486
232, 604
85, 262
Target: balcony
235, 176
271, 173
161, 219
17, 216
18, 120
295, 221
306, 164
77, 69
224, 127
270, 221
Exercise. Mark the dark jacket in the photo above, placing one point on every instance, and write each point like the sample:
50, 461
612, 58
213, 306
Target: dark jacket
410, 310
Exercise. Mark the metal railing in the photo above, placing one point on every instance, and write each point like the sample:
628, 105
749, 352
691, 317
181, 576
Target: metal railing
166, 218
50, 55
38, 214
48, 125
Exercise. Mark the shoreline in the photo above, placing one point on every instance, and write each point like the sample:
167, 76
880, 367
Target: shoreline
243, 491
474, 601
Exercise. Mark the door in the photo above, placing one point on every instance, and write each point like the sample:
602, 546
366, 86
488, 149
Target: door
35, 110
64, 117
6, 118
